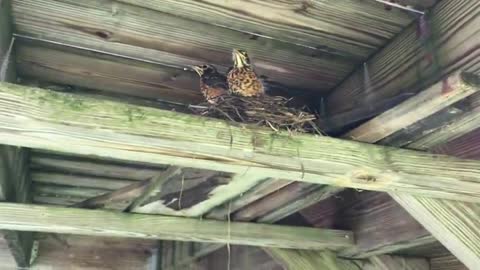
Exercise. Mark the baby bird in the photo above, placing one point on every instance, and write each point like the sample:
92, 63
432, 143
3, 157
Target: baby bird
242, 79
212, 84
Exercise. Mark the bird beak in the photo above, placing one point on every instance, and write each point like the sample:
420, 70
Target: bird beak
197, 69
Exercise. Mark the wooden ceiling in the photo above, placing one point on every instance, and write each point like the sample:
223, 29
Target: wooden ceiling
141, 48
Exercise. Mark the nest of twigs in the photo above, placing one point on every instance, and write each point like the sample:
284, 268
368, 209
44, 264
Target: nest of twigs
270, 111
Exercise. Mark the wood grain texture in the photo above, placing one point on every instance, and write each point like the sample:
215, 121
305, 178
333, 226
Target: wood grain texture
107, 73
171, 40
310, 260
79, 180
386, 262
449, 262
261, 190
454, 224
83, 252
435, 98
331, 28
107, 223
82, 125
452, 45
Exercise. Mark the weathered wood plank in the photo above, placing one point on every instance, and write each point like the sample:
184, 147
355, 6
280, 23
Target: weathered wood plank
386, 262
452, 89
299, 204
108, 223
83, 125
159, 37
333, 25
311, 260
220, 194
93, 167
448, 41
449, 262
261, 190
454, 224
7, 54
79, 180
107, 73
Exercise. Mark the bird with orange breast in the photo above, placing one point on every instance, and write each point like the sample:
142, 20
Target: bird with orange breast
213, 84
242, 79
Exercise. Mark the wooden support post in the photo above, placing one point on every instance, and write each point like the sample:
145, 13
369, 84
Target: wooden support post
216, 145
108, 223
15, 187
444, 40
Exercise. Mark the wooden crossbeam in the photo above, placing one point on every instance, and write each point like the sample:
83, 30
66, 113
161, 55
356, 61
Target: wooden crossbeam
82, 125
444, 40
107, 223
441, 217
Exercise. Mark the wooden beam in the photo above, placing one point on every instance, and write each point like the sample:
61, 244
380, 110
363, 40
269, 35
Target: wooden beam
212, 144
447, 41
108, 223
454, 224
16, 188
441, 217
440, 95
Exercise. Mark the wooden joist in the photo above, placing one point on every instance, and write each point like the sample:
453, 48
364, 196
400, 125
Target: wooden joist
107, 223
445, 41
82, 125
311, 260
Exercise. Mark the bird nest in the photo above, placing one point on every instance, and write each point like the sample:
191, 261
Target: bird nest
270, 111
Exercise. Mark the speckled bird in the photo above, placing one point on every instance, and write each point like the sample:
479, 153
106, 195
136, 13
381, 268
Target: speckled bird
212, 83
242, 79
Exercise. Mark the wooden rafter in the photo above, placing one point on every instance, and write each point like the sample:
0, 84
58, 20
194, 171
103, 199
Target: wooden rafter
441, 217
157, 136
445, 40
108, 223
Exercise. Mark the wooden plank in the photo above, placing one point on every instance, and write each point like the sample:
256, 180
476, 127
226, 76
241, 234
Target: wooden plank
137, 32
310, 260
448, 262
428, 102
237, 185
456, 225
107, 73
279, 199
14, 165
213, 144
299, 204
108, 223
386, 262
448, 42
261, 190
93, 253
79, 180
334, 25
94, 168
